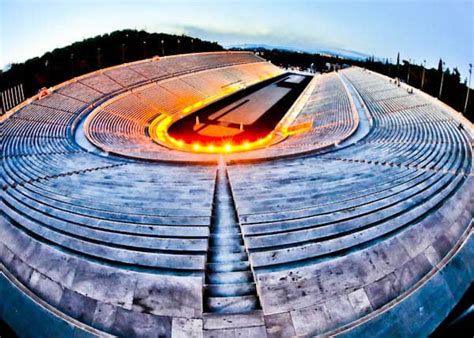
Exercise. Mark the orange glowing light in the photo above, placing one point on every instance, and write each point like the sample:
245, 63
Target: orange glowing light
228, 147
211, 147
246, 145
196, 146
180, 143
298, 128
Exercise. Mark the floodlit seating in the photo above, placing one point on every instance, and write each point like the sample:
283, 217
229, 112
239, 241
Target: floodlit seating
121, 125
329, 111
95, 216
332, 230
51, 184
79, 91
101, 83
124, 76
311, 224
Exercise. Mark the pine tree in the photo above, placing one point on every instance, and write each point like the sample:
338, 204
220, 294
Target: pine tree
456, 74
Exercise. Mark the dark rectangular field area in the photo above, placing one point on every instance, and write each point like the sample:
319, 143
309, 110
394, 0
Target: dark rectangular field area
247, 115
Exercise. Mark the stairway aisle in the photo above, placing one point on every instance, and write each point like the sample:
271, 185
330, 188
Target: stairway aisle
229, 286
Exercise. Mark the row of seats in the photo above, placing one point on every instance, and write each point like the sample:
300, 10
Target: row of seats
363, 223
121, 126
332, 117
152, 70
99, 207
330, 111
96, 235
345, 199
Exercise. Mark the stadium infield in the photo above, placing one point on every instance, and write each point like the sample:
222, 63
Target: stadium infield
243, 117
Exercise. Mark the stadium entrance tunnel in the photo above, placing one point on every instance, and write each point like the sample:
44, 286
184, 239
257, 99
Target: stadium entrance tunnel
242, 121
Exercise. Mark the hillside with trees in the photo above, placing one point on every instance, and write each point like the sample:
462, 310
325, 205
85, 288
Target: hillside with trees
95, 53
128, 45
454, 87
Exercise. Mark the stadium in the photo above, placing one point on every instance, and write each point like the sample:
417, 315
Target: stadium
225, 169
217, 194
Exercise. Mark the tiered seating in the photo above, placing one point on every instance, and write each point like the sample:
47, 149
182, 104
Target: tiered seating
328, 214
38, 129
207, 83
39, 152
79, 228
316, 227
101, 83
47, 123
127, 116
184, 93
79, 91
164, 101
425, 139
125, 77
333, 120
101, 224
197, 62
119, 227
121, 126
329, 99
329, 108
183, 64
44, 115
61, 103
121, 244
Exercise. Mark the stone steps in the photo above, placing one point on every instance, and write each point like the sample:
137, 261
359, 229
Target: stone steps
229, 285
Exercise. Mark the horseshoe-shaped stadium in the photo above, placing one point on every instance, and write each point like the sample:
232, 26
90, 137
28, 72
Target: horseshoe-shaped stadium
218, 195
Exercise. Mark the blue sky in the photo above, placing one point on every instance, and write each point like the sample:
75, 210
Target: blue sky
419, 29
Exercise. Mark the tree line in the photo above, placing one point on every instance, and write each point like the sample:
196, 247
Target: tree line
454, 88
129, 45
95, 53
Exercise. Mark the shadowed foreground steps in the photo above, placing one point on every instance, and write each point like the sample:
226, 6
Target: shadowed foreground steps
359, 225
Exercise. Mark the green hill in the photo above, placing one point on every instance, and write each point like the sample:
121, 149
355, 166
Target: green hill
98, 52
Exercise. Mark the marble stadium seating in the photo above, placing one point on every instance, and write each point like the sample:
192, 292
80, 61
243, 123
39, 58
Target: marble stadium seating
360, 226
